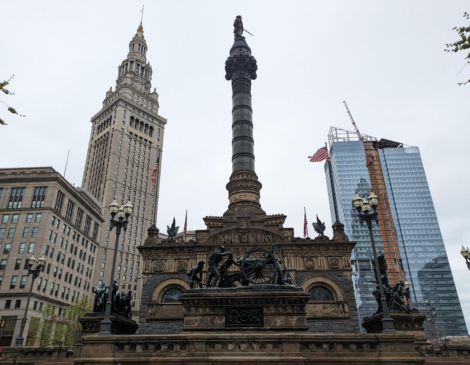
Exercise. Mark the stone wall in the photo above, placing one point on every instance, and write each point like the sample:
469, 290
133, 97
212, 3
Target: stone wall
331, 326
160, 327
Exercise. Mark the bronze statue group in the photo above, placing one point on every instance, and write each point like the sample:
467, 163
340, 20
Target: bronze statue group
120, 302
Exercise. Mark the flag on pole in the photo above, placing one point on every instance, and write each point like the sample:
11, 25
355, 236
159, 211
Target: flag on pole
185, 226
155, 171
305, 223
320, 155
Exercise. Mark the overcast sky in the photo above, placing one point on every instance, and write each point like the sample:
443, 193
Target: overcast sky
385, 59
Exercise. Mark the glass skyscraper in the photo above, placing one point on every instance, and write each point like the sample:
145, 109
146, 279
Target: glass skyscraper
408, 232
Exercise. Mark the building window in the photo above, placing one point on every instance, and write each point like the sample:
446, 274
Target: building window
22, 246
25, 232
69, 211
18, 264
5, 218
29, 218
3, 264
2, 232
17, 304
23, 281
15, 218
7, 304
59, 201
14, 279
172, 296
38, 217
31, 247
95, 231
11, 232
86, 229
78, 219
16, 198
320, 294
7, 248
39, 197
35, 232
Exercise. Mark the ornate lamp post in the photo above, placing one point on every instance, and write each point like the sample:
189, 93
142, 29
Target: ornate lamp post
35, 273
465, 252
122, 214
363, 207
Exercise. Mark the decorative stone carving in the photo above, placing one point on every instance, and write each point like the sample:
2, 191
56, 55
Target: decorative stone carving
244, 317
158, 265
309, 263
334, 263
182, 265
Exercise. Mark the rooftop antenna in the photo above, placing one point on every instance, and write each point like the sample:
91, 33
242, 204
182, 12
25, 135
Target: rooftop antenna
66, 162
352, 120
142, 16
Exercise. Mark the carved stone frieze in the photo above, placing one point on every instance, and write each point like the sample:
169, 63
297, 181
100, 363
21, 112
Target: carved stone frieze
309, 263
158, 265
334, 263
236, 236
182, 265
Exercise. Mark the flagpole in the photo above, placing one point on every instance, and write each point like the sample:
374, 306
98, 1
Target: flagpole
332, 183
305, 221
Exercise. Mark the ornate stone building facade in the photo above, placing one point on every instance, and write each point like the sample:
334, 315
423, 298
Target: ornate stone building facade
320, 266
126, 141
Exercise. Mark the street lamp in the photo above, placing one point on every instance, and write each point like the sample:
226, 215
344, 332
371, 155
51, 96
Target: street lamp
465, 252
363, 207
35, 273
122, 214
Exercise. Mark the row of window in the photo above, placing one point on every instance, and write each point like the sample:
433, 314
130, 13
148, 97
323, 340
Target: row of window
15, 218
7, 249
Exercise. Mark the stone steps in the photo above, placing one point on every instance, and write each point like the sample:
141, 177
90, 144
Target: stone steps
446, 361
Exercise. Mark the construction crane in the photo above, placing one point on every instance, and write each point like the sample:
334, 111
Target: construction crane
352, 120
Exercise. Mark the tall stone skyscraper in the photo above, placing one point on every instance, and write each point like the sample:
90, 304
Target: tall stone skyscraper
126, 140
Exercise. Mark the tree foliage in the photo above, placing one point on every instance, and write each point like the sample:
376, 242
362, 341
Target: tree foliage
463, 44
3, 89
73, 313
69, 331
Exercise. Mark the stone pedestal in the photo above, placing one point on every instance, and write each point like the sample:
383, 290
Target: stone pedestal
406, 323
253, 308
91, 323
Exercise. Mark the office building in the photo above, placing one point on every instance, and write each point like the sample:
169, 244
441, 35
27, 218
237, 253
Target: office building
41, 214
408, 232
125, 142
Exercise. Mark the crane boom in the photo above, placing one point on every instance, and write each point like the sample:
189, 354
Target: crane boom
352, 120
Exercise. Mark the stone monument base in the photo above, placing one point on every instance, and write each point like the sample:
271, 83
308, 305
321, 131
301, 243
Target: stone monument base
407, 323
254, 308
91, 323
280, 348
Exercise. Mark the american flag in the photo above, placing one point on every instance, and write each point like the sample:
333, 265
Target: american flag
305, 223
185, 225
320, 155
155, 170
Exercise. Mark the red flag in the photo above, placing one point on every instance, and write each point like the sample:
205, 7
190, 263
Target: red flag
320, 155
185, 226
305, 223
155, 170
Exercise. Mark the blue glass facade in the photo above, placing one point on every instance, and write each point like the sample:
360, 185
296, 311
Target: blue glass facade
422, 251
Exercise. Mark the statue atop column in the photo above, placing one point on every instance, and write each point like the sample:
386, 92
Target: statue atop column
238, 27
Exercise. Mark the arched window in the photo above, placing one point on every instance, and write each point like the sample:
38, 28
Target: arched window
172, 296
151, 132
146, 129
321, 294
132, 122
